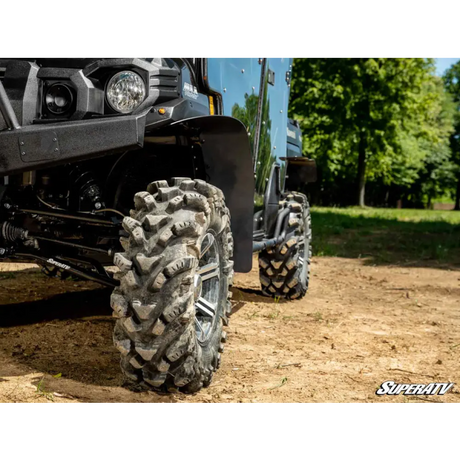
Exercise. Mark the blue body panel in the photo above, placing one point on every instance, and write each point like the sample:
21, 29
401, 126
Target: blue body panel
238, 82
262, 108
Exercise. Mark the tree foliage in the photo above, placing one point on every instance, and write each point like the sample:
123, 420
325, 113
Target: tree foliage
384, 122
452, 84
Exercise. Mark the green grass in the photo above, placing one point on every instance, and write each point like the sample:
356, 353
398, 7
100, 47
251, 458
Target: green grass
396, 236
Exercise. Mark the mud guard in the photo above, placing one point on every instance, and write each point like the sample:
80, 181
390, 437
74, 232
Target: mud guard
227, 155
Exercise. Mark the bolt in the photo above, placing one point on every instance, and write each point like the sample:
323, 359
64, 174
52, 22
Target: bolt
253, 88
22, 143
7, 206
263, 122
55, 139
23, 153
258, 163
97, 205
2, 251
242, 70
281, 111
225, 90
274, 148
266, 179
56, 150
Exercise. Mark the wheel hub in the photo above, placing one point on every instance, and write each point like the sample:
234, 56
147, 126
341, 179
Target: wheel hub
207, 288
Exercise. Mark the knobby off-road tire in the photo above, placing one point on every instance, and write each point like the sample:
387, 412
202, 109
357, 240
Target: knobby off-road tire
169, 326
284, 270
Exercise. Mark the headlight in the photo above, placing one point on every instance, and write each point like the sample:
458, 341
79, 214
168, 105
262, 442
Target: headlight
125, 91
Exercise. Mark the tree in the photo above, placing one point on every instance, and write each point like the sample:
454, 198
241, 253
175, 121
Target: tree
427, 145
452, 84
359, 116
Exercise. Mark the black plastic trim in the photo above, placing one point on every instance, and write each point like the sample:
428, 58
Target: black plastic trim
75, 141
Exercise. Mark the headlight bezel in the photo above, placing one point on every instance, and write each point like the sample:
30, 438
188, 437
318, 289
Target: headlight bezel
141, 100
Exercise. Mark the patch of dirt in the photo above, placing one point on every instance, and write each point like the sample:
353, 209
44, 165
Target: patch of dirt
359, 326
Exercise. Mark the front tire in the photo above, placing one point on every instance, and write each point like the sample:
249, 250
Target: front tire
173, 298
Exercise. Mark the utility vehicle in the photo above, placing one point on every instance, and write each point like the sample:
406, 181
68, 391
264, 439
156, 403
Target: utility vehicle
173, 170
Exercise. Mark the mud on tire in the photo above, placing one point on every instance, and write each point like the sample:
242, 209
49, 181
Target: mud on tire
162, 346
284, 270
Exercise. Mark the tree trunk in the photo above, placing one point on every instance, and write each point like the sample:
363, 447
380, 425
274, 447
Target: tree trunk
457, 196
361, 180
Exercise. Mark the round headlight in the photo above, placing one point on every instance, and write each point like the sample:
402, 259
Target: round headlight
125, 91
58, 99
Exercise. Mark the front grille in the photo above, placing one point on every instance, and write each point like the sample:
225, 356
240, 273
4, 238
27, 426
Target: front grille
164, 84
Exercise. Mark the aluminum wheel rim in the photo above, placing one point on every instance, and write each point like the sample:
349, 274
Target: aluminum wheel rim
207, 288
304, 244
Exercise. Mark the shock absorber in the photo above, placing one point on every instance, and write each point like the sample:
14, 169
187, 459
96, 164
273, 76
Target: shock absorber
84, 189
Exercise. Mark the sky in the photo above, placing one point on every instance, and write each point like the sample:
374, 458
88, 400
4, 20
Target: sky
442, 64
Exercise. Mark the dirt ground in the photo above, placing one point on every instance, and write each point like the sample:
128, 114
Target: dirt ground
359, 326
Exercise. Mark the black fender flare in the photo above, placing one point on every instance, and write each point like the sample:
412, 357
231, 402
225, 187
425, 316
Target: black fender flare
227, 155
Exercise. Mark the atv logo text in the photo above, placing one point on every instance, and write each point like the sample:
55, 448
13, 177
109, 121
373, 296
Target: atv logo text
391, 388
190, 91
58, 264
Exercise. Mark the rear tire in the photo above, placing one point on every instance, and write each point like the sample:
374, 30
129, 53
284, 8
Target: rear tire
284, 270
173, 298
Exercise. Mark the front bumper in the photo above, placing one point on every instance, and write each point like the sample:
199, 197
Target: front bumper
46, 145
43, 141
38, 146
35, 146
